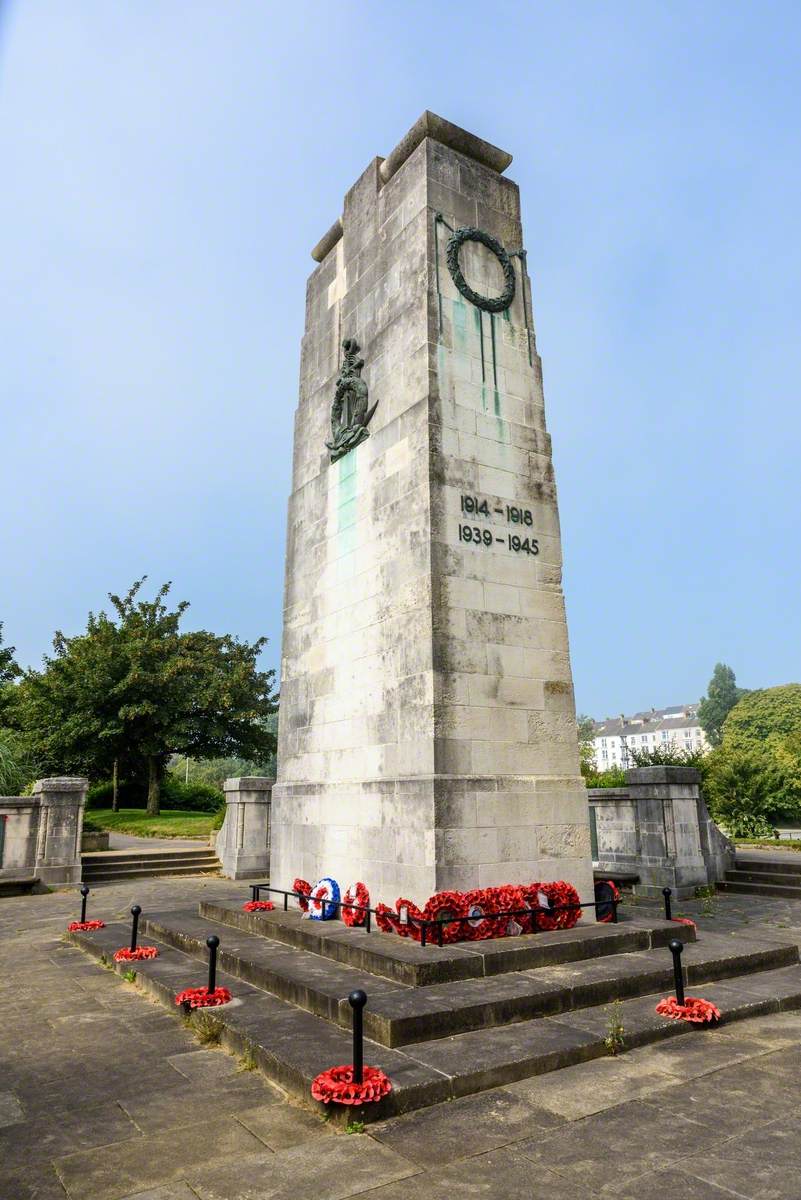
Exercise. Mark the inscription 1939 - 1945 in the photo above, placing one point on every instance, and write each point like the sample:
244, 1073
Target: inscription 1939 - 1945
487, 537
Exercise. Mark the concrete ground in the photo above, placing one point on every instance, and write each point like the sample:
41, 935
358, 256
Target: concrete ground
105, 1096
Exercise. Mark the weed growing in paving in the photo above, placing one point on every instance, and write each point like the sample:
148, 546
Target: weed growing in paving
615, 1040
354, 1127
207, 1029
247, 1062
129, 976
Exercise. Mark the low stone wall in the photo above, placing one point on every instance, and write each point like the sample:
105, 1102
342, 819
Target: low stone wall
658, 827
41, 834
94, 841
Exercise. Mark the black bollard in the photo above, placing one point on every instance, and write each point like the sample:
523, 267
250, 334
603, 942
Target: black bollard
255, 892
357, 1001
84, 894
676, 948
135, 911
667, 893
212, 943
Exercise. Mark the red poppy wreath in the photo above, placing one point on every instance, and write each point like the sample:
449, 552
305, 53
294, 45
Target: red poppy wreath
337, 1086
357, 893
140, 954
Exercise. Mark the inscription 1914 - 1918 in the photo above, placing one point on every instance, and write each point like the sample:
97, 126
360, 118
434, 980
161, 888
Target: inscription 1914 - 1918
487, 537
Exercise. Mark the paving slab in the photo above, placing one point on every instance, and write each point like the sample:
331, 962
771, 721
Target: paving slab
114, 1171
188, 1104
604, 1150
591, 1087
658, 1185
281, 1126
505, 1174
332, 1170
11, 1111
465, 1127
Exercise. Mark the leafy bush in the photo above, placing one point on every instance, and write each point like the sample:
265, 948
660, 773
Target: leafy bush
197, 797
746, 825
742, 786
612, 777
219, 817
668, 755
192, 797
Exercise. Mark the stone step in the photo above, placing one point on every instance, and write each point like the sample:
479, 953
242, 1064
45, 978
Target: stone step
407, 962
20, 885
93, 858
781, 879
399, 1014
292, 1046
768, 866
127, 871
760, 889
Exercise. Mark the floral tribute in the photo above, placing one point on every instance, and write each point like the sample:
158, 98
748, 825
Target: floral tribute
485, 912
337, 1086
607, 895
258, 906
685, 921
324, 900
201, 997
695, 1010
303, 890
126, 954
357, 893
85, 926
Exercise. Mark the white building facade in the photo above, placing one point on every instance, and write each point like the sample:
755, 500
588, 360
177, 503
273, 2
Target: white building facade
675, 728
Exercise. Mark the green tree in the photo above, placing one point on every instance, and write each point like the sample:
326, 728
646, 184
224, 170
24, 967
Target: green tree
722, 695
586, 729
135, 690
771, 715
70, 711
9, 671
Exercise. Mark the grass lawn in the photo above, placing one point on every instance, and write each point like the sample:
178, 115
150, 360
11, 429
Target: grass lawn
171, 822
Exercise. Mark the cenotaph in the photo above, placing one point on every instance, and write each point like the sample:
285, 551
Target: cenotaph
427, 733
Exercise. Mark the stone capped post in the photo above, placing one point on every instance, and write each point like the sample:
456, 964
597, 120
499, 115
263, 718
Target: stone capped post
427, 734
58, 836
243, 843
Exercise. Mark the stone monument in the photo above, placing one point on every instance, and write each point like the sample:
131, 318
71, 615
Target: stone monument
427, 734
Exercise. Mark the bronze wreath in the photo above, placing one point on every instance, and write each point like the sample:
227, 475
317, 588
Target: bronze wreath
491, 304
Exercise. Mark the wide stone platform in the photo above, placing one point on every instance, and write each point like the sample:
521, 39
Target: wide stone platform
446, 1022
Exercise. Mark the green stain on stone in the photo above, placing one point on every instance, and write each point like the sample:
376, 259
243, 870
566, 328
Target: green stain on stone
459, 318
496, 395
346, 501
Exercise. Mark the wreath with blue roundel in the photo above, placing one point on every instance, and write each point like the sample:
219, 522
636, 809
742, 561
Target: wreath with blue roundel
324, 899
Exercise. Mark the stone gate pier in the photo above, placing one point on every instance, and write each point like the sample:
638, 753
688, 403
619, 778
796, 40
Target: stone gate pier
40, 834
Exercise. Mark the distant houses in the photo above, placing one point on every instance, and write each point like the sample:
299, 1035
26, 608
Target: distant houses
678, 728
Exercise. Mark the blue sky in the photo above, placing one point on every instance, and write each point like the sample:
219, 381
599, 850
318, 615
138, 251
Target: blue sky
167, 168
